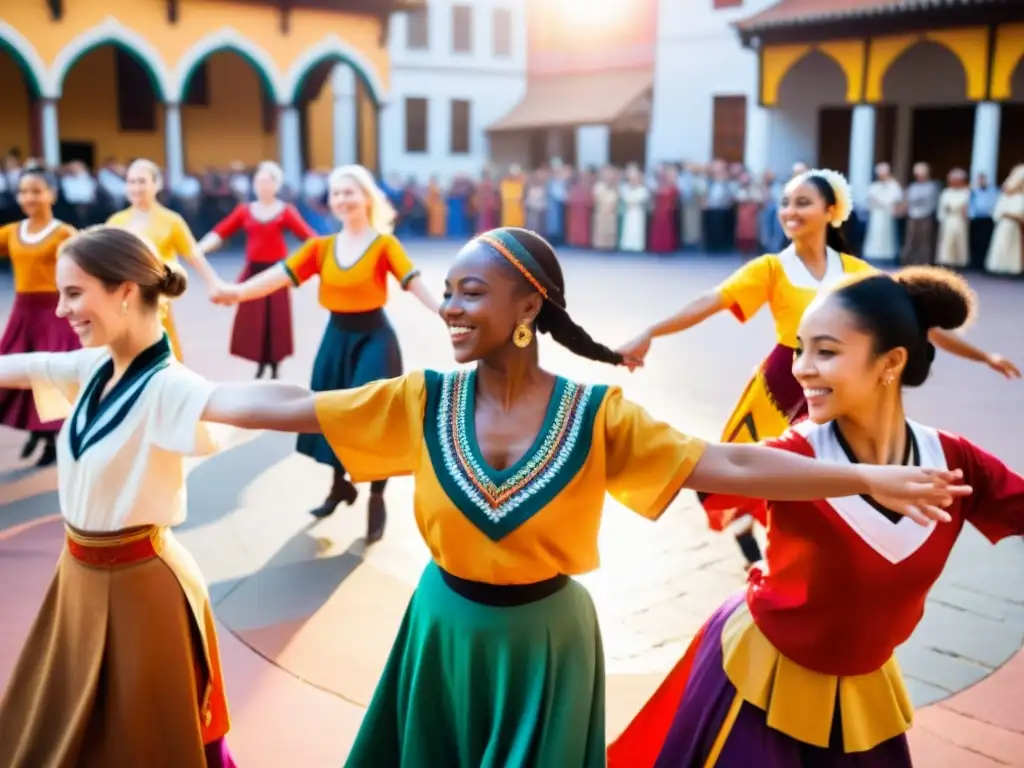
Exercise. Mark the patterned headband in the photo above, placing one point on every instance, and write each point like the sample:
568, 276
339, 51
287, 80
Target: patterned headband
513, 251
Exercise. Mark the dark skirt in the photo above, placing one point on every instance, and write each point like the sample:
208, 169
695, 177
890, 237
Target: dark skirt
32, 327
471, 685
263, 328
693, 721
356, 349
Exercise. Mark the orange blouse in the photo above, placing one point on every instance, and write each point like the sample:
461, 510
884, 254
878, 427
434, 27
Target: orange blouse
360, 287
34, 255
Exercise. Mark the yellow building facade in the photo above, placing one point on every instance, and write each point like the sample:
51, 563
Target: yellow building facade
193, 84
855, 83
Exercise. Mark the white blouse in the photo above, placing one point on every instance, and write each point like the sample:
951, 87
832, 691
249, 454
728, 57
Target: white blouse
121, 459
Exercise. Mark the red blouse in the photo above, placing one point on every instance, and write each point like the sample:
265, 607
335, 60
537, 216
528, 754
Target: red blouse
264, 240
843, 584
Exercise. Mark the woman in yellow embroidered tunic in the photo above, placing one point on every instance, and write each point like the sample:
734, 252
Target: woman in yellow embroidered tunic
165, 229
359, 345
813, 209
31, 245
499, 661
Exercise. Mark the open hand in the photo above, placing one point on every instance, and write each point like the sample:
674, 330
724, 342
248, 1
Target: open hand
1000, 364
915, 492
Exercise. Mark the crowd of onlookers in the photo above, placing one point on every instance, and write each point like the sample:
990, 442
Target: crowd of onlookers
717, 208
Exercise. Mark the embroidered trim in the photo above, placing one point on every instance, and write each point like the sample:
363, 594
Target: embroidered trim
498, 502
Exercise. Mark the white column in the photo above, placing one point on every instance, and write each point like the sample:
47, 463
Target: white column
346, 115
175, 154
985, 151
290, 145
592, 145
862, 152
51, 132
756, 150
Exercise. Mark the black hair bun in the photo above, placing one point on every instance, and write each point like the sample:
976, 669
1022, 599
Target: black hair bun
941, 298
175, 280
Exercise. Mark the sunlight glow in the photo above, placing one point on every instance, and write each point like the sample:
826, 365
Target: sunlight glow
592, 13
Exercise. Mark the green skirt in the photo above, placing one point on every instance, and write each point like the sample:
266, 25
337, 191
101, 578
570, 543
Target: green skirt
475, 686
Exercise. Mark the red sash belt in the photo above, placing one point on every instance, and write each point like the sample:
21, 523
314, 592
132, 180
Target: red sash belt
109, 550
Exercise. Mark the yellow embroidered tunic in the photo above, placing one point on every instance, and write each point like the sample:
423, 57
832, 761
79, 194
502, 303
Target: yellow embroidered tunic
171, 237
534, 520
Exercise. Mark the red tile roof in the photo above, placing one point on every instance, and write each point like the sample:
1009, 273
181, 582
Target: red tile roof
796, 12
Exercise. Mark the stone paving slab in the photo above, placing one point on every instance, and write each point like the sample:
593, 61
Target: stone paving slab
308, 614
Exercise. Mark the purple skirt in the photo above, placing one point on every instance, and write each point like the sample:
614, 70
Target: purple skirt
32, 327
699, 717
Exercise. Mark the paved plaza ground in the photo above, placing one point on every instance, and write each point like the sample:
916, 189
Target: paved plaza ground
308, 613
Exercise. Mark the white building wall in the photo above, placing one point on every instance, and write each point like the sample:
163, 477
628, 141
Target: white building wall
492, 84
698, 57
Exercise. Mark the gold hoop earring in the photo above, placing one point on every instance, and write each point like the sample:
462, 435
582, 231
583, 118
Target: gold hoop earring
124, 308
522, 336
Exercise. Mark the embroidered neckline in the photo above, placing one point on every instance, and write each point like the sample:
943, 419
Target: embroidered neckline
96, 416
499, 501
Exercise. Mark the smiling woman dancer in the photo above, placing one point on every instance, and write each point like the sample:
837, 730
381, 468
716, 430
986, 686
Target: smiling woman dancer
121, 665
799, 670
359, 345
813, 209
499, 659
165, 229
31, 245
263, 329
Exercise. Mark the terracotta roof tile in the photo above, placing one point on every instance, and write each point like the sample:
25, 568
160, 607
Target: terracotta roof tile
793, 12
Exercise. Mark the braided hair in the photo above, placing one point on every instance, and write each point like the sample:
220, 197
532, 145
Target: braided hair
553, 318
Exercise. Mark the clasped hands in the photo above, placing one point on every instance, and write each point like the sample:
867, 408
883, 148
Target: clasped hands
224, 294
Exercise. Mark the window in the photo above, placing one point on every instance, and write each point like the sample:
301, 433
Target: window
415, 124
417, 30
729, 128
502, 32
460, 127
136, 102
462, 29
720, 4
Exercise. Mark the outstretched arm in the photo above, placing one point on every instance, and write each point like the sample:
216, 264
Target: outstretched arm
256, 287
762, 472
15, 370
957, 345
270, 405
694, 313
421, 292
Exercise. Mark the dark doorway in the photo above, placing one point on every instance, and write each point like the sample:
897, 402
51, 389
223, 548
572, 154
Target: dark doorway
942, 137
1011, 138
625, 147
85, 151
834, 126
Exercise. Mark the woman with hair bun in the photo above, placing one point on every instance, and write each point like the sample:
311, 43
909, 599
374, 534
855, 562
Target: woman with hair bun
799, 669
31, 244
499, 659
814, 207
121, 666
165, 229
359, 345
263, 329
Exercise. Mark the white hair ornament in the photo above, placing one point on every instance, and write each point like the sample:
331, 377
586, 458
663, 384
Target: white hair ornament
840, 188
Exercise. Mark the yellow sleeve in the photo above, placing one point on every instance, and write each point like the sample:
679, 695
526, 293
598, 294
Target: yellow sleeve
647, 460
5, 237
749, 288
854, 266
399, 263
376, 430
181, 238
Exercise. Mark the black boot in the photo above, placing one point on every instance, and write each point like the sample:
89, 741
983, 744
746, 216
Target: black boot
260, 369
342, 490
49, 455
749, 547
376, 517
31, 445
273, 370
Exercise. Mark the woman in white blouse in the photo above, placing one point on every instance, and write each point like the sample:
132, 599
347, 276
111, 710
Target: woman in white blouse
121, 666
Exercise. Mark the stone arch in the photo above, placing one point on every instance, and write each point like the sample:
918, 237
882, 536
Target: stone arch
26, 57
947, 82
333, 48
110, 32
228, 39
821, 69
780, 62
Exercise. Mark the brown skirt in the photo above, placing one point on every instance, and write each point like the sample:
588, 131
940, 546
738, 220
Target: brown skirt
115, 669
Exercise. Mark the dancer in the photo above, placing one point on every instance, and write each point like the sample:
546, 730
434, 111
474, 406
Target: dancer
499, 660
359, 345
31, 245
813, 209
799, 670
121, 665
262, 331
165, 229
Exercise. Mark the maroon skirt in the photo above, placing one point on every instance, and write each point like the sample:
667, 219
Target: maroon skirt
263, 328
32, 327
